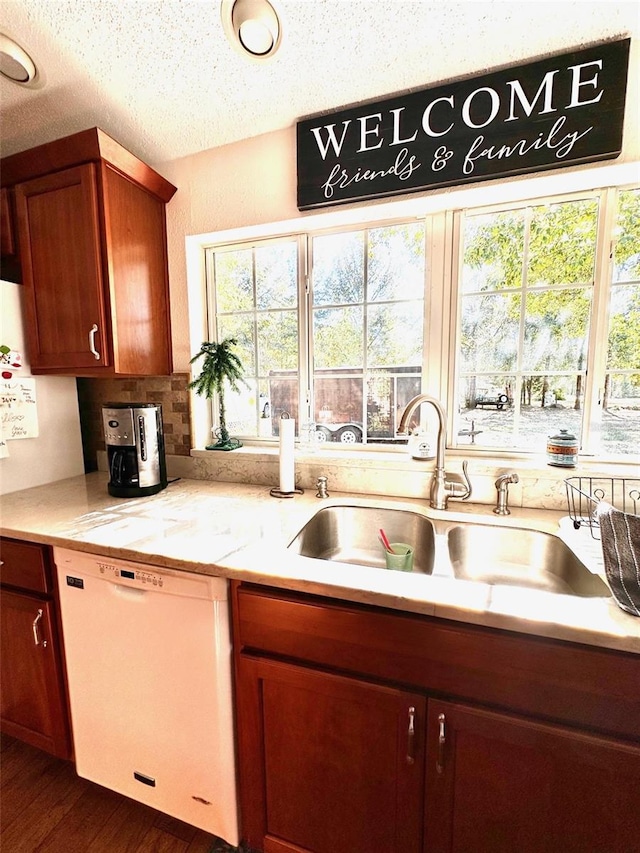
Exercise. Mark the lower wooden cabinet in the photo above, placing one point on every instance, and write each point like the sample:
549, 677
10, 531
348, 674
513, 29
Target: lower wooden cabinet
497, 782
33, 705
341, 764
335, 758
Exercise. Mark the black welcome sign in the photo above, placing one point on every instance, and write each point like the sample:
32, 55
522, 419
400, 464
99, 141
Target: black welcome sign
547, 114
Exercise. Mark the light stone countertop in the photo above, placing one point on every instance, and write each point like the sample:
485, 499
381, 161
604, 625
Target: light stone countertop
239, 531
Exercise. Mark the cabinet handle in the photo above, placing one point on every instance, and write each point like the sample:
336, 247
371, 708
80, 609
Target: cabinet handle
36, 636
92, 342
411, 735
441, 743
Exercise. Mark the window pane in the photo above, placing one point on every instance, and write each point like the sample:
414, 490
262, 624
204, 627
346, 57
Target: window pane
624, 328
282, 394
489, 332
241, 409
556, 328
240, 327
627, 246
338, 268
493, 251
234, 280
522, 365
337, 337
363, 350
562, 243
549, 404
620, 424
620, 430
338, 411
396, 262
486, 414
277, 275
277, 341
257, 304
394, 335
388, 393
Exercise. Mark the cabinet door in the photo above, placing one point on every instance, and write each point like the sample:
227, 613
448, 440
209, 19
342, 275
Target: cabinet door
32, 701
328, 764
65, 300
497, 782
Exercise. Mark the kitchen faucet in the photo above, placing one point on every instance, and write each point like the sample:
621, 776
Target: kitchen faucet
441, 488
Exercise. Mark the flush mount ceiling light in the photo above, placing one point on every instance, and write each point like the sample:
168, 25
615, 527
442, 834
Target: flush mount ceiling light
15, 63
252, 26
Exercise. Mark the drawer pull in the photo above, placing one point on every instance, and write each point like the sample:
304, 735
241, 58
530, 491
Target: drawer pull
411, 736
36, 634
441, 743
92, 342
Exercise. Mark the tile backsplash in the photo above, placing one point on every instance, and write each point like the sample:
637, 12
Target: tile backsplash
170, 391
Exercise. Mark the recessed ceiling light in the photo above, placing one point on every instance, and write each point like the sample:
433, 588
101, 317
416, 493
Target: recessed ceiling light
15, 63
252, 26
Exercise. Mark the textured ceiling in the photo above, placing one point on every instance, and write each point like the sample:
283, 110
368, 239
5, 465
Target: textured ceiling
160, 76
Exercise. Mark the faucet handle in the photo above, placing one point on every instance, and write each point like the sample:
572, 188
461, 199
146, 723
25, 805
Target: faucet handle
460, 490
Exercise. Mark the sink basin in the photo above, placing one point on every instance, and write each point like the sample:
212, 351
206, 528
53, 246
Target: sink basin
349, 534
514, 556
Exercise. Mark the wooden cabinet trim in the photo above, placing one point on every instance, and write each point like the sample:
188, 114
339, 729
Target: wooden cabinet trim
548, 679
86, 146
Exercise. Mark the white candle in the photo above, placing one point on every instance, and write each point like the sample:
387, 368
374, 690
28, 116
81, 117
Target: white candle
287, 444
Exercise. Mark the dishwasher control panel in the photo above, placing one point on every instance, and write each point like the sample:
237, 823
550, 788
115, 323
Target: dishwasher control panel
142, 576
77, 567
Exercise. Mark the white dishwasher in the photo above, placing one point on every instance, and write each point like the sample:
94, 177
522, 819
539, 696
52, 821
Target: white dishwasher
148, 655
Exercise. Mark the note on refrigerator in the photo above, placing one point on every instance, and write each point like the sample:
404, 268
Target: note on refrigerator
18, 409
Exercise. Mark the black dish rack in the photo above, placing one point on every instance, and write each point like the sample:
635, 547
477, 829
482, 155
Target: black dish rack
585, 493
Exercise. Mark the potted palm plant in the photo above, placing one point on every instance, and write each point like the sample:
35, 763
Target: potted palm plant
220, 364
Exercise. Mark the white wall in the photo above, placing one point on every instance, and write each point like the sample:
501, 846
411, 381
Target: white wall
57, 451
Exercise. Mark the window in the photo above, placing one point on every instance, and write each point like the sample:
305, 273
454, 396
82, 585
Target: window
530, 333
367, 330
254, 299
346, 363
538, 332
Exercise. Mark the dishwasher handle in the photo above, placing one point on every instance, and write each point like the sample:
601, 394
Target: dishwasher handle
129, 592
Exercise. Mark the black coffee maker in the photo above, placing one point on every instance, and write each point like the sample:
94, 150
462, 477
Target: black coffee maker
134, 438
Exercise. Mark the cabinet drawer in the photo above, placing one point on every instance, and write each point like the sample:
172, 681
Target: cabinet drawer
25, 565
559, 681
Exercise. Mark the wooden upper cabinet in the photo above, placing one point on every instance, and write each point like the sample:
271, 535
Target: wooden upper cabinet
92, 234
66, 298
9, 257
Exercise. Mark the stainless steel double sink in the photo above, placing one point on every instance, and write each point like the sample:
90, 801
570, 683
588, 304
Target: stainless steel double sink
487, 553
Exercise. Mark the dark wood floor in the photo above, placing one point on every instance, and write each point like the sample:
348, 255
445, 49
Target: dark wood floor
46, 808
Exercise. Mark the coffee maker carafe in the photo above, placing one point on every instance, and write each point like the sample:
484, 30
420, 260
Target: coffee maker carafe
134, 438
